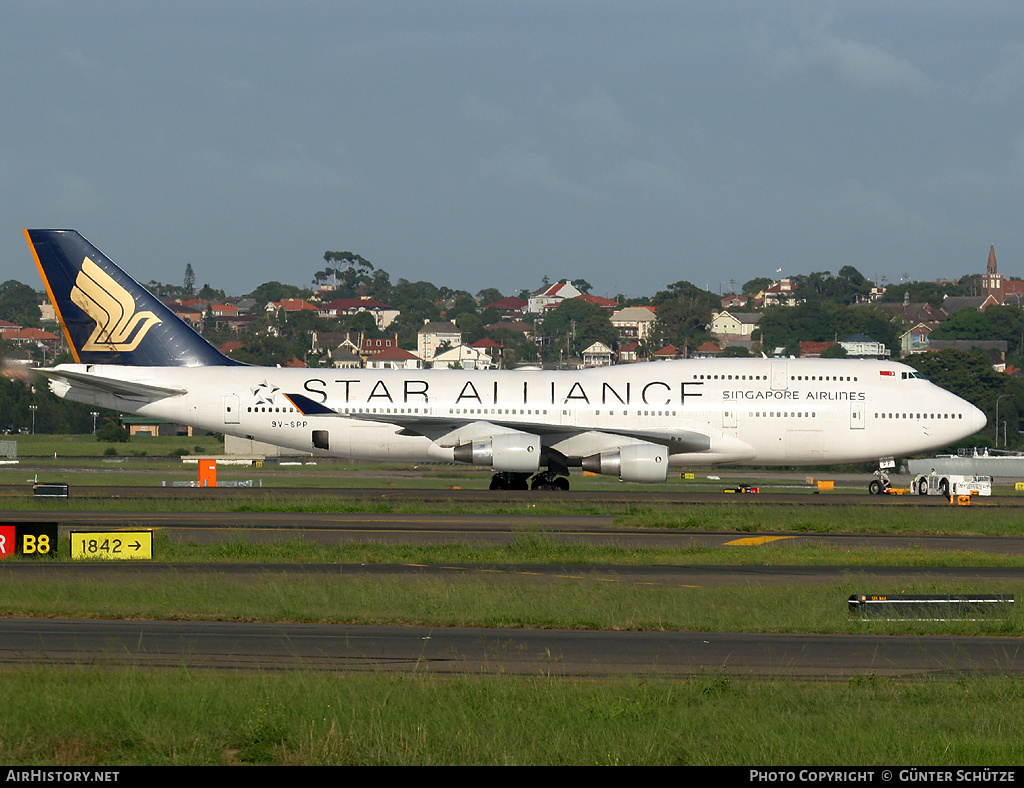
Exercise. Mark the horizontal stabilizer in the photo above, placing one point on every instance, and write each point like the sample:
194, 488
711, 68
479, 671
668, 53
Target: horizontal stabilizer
121, 388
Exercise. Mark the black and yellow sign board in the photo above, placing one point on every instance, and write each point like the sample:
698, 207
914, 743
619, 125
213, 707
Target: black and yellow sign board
29, 540
111, 545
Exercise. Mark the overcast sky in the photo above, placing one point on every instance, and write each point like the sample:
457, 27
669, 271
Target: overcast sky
488, 144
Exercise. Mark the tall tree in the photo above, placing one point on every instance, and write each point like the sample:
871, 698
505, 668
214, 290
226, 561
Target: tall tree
19, 303
489, 295
684, 315
575, 325
970, 375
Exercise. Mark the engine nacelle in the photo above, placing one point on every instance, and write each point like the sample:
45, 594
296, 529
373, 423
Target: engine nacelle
514, 452
641, 462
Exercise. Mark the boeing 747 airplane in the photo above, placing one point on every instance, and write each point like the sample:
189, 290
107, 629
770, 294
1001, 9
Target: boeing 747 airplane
634, 421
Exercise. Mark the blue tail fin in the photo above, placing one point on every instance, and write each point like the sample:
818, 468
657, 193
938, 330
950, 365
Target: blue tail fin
108, 317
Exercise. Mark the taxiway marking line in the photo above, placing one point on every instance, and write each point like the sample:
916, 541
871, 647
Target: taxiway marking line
756, 540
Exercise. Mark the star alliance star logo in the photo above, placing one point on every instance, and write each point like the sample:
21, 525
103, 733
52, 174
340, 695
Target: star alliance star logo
264, 393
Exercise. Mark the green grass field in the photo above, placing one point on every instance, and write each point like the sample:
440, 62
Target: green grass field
84, 717
89, 717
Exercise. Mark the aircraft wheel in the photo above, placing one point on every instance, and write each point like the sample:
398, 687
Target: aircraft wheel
875, 487
561, 483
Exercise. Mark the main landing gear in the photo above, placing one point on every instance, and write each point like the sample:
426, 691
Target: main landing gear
542, 480
510, 481
549, 480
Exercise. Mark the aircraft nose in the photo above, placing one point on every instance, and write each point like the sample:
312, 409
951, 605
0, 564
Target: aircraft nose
978, 420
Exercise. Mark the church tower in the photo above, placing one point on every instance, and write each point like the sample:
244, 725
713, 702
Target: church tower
993, 279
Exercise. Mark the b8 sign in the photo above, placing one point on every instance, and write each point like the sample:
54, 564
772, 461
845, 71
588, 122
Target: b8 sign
30, 540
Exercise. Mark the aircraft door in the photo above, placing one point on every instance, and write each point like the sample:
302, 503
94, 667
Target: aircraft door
780, 376
856, 415
231, 409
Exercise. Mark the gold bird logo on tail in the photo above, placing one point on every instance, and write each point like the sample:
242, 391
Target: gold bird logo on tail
118, 326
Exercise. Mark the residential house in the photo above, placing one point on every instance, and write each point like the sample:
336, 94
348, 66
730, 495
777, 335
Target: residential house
630, 353
339, 345
915, 312
190, 314
514, 326
666, 353
781, 293
862, 346
707, 350
513, 305
915, 340
322, 341
371, 347
551, 295
383, 315
290, 305
463, 357
238, 322
394, 358
597, 355
734, 325
490, 347
222, 310
34, 337
814, 349
342, 357
634, 322
600, 301
951, 304
994, 349
435, 336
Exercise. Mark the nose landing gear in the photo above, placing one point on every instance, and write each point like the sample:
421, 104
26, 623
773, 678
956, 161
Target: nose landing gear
881, 484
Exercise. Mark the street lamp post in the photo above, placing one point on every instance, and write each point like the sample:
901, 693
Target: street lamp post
94, 414
33, 408
997, 417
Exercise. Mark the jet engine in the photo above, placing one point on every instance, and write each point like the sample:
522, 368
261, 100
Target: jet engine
514, 452
641, 462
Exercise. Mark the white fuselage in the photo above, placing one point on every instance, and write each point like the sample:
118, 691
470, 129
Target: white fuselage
752, 411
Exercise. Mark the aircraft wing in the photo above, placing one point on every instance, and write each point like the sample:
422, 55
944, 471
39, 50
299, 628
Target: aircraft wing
437, 428
122, 388
449, 431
